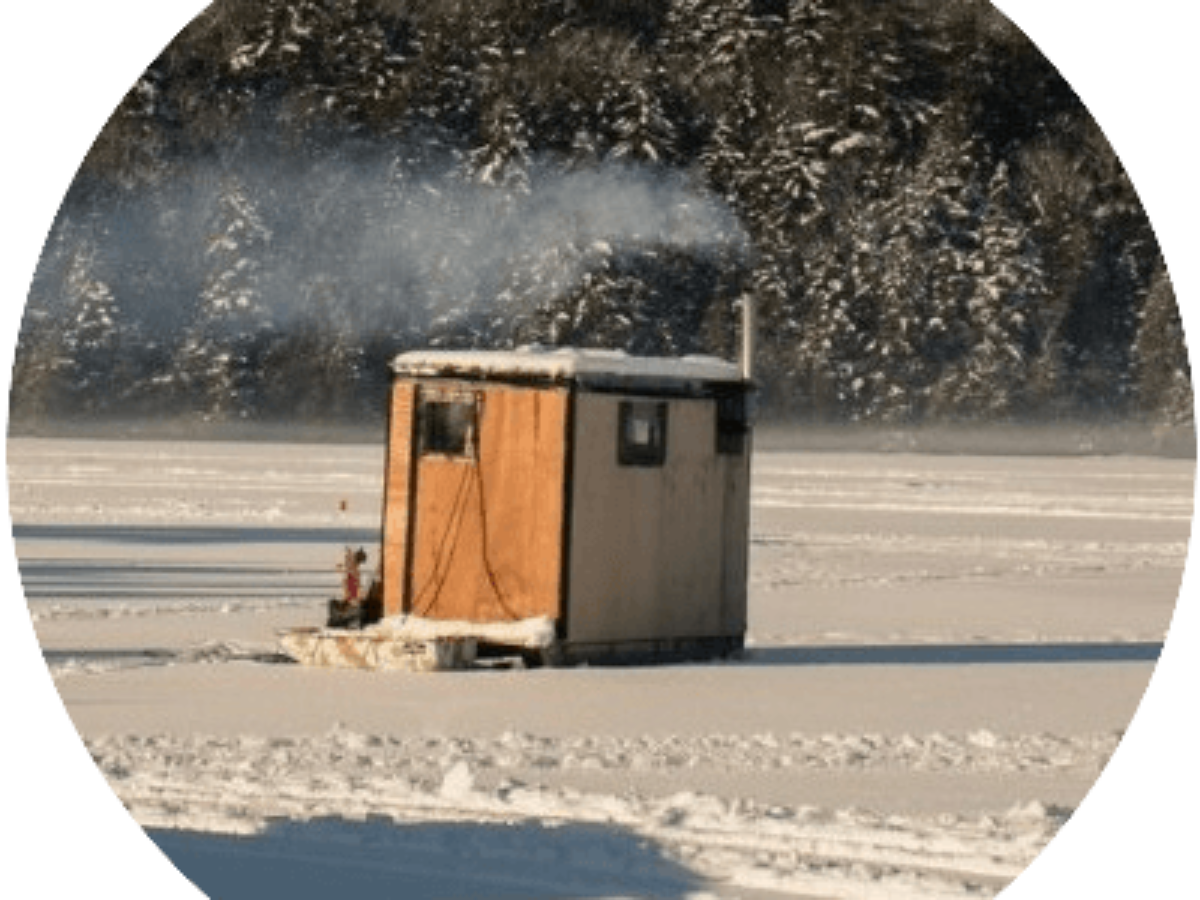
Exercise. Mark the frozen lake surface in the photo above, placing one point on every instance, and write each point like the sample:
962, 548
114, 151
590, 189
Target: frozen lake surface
943, 654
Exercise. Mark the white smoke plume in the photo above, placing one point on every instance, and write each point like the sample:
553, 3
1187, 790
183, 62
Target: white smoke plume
385, 251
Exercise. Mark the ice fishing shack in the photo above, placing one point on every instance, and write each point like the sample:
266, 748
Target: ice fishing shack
606, 492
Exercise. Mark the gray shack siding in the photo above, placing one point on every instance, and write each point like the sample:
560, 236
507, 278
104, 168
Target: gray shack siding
657, 553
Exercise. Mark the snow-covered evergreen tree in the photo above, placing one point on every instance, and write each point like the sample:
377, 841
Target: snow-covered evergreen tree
861, 346
90, 335
1164, 376
565, 294
643, 133
282, 35
367, 65
314, 368
503, 161
531, 303
37, 367
897, 370
1007, 286
1066, 245
715, 42
40, 358
217, 362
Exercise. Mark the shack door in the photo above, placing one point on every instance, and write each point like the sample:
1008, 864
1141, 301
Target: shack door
486, 496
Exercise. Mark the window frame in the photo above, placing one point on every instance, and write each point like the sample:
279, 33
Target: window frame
432, 441
652, 454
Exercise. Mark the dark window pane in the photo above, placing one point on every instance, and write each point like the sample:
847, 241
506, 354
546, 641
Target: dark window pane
447, 427
642, 434
733, 424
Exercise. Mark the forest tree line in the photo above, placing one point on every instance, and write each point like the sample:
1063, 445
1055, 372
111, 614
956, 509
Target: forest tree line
929, 222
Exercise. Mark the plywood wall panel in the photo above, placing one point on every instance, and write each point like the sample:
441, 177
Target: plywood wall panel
397, 490
647, 555
488, 542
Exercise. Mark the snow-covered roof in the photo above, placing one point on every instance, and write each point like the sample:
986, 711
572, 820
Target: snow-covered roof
565, 364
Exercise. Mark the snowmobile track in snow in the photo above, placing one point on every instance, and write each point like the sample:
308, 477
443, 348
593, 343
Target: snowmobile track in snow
240, 785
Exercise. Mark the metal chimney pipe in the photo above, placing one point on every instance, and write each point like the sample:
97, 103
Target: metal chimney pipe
748, 335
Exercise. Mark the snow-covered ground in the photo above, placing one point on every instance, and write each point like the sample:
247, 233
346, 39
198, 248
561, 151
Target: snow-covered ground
943, 654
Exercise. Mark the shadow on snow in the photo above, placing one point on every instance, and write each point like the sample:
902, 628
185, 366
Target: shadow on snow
954, 654
205, 534
62, 579
335, 858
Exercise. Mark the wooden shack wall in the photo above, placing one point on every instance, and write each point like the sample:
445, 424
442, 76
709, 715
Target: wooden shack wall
397, 494
487, 530
657, 553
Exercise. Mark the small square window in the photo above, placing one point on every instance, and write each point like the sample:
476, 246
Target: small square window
642, 434
447, 426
